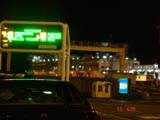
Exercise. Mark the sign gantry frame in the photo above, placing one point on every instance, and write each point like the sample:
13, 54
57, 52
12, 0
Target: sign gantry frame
46, 37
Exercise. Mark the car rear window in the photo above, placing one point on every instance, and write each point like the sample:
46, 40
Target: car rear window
31, 95
19, 92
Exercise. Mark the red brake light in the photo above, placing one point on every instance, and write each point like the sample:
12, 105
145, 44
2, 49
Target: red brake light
90, 114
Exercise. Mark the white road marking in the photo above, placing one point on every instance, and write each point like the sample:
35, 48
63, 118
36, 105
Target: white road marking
150, 117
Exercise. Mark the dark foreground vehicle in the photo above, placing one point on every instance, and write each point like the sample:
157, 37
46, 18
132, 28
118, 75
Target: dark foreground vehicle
43, 99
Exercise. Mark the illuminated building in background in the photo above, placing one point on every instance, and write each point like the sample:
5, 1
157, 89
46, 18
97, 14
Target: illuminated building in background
88, 64
43, 64
145, 70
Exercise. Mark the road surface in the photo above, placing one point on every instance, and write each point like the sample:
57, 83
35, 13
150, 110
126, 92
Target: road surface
126, 110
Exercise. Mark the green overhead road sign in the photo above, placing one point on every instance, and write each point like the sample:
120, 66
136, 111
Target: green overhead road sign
36, 37
32, 35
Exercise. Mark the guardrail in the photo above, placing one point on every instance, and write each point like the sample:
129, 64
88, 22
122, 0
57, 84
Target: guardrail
99, 44
148, 93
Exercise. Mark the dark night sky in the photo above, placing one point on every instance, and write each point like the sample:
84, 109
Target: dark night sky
131, 22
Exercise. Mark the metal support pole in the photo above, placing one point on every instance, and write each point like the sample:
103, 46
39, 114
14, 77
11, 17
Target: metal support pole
64, 53
8, 61
63, 66
0, 61
68, 55
122, 59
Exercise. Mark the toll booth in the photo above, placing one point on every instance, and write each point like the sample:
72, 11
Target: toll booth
101, 89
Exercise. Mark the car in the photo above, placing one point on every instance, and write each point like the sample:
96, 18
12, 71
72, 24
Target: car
43, 99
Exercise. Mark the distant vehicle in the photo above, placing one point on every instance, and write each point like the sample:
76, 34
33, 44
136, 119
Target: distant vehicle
43, 99
145, 78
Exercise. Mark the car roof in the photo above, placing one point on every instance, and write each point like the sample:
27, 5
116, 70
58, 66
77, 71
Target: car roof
30, 81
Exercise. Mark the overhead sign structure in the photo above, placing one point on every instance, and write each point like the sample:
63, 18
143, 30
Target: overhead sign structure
23, 35
36, 37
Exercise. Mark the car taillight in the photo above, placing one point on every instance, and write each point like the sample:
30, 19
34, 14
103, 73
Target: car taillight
90, 114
